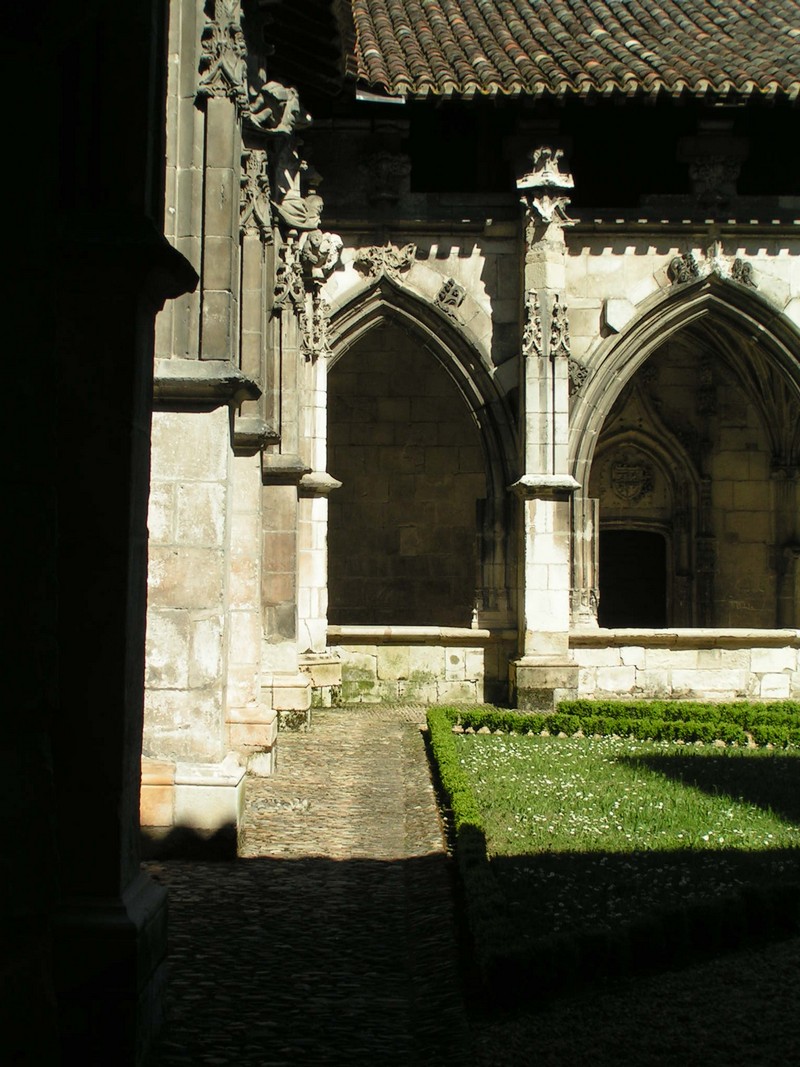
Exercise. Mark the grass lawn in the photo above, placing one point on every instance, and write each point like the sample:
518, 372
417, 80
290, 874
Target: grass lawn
586, 833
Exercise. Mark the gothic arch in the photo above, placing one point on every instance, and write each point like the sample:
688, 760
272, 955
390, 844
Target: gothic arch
757, 343
386, 300
444, 340
737, 307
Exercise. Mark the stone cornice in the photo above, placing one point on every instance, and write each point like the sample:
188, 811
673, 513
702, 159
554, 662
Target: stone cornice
184, 382
278, 468
685, 638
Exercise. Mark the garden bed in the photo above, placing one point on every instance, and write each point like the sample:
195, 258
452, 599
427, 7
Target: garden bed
583, 856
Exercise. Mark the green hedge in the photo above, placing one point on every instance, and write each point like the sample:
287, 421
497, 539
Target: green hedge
512, 970
740, 723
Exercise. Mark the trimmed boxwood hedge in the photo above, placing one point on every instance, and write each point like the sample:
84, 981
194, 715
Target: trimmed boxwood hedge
742, 723
512, 970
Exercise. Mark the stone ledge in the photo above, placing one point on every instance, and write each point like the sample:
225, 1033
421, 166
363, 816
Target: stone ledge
411, 635
545, 487
686, 638
186, 382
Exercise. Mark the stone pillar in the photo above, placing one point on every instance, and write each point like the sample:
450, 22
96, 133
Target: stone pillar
284, 689
544, 673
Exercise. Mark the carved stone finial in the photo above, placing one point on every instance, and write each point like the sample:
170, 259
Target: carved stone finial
683, 269
389, 259
532, 333
450, 298
255, 216
544, 187
223, 63
559, 330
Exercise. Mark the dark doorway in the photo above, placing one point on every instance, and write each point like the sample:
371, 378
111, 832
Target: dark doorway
633, 579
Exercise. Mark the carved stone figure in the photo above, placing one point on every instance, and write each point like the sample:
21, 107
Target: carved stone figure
319, 253
683, 269
274, 108
450, 298
742, 272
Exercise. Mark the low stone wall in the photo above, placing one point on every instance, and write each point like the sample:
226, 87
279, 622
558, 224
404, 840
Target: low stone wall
688, 664
418, 665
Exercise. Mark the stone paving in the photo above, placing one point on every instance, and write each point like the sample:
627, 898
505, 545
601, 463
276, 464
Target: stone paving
331, 940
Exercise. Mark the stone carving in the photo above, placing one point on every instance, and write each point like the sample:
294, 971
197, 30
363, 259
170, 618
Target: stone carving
292, 173
375, 261
450, 298
583, 604
683, 269
223, 63
289, 282
578, 373
559, 330
302, 268
532, 334
314, 327
255, 216
742, 272
713, 179
273, 108
385, 174
544, 188
631, 478
319, 254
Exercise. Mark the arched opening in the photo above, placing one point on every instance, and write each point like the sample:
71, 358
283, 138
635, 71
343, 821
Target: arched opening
633, 578
403, 535
701, 446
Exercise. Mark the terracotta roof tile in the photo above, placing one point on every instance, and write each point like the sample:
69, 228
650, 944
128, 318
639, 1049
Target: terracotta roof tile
720, 48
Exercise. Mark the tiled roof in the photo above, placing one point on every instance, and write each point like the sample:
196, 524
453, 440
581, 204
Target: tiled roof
722, 49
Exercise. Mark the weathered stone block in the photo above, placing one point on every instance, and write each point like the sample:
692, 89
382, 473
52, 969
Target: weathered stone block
200, 513
773, 660
167, 650
393, 662
775, 686
616, 679
188, 578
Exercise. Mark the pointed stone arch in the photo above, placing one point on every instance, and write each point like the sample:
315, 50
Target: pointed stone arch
761, 348
619, 357
454, 347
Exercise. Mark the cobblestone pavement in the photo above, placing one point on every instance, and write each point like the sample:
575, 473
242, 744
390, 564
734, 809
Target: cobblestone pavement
331, 940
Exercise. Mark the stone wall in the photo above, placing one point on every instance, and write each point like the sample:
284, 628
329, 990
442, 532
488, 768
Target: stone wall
403, 526
419, 665
689, 664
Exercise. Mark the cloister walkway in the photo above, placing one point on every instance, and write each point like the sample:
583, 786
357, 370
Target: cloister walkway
331, 940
